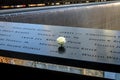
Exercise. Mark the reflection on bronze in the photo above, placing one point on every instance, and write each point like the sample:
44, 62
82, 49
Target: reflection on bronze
50, 66
5, 60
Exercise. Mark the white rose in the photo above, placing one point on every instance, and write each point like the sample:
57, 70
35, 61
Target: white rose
61, 40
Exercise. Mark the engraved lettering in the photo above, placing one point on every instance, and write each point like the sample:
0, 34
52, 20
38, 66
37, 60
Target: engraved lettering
72, 47
93, 55
88, 49
65, 36
74, 42
2, 39
12, 45
104, 45
29, 29
92, 39
43, 34
118, 52
44, 30
7, 31
26, 37
17, 27
2, 44
102, 35
67, 32
10, 40
32, 48
21, 32
50, 40
116, 41
6, 35
37, 39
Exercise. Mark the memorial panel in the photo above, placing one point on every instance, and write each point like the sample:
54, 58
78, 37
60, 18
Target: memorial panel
83, 44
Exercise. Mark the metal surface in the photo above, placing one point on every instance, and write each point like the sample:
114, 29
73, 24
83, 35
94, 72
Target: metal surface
93, 45
47, 2
102, 15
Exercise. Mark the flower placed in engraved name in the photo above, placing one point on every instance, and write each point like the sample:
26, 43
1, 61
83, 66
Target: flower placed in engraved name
61, 40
